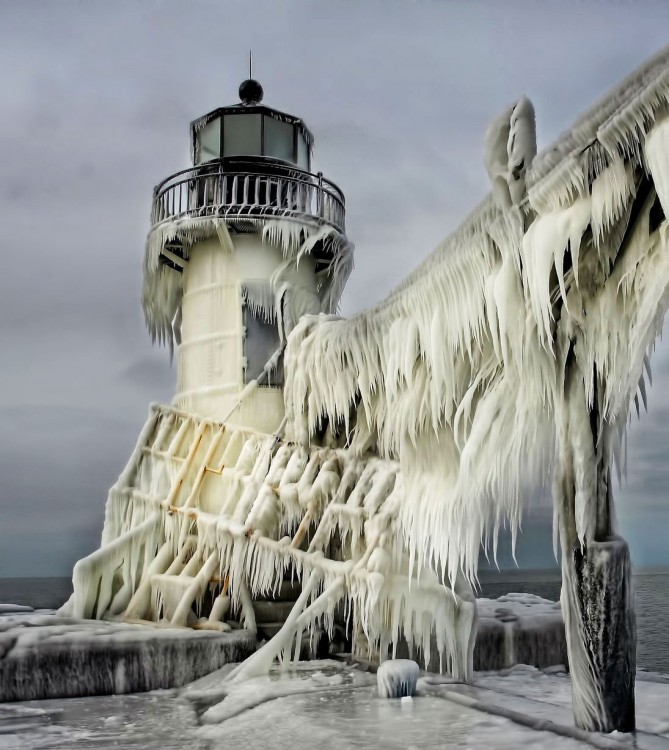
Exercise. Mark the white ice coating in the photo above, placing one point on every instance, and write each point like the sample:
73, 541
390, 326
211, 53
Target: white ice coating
509, 147
415, 429
162, 289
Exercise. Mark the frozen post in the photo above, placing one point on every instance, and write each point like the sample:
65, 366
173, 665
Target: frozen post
597, 598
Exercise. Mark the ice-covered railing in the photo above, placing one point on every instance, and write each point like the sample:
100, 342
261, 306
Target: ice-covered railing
236, 188
513, 355
237, 511
457, 374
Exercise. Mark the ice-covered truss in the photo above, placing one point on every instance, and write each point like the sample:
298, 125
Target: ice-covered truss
513, 353
204, 519
459, 374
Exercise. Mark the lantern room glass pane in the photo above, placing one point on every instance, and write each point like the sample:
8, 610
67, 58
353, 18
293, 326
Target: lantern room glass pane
209, 139
302, 152
279, 139
241, 135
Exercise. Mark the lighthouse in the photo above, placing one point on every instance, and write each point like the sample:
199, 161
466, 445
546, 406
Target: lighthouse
241, 245
229, 513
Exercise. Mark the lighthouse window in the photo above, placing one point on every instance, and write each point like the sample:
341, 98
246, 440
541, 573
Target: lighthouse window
210, 141
279, 139
260, 343
302, 152
241, 135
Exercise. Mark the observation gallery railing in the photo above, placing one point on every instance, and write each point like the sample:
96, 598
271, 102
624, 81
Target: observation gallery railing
249, 188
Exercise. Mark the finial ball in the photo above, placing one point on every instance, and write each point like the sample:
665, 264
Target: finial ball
250, 92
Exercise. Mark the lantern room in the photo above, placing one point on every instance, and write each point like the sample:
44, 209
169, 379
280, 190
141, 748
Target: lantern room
251, 129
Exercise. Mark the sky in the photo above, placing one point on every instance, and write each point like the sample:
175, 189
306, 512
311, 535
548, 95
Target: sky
96, 99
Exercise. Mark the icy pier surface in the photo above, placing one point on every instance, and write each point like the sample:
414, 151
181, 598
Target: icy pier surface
332, 707
46, 656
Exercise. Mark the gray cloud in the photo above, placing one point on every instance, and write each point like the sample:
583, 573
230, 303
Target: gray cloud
96, 101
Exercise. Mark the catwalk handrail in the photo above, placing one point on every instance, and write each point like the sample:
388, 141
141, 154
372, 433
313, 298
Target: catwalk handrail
249, 188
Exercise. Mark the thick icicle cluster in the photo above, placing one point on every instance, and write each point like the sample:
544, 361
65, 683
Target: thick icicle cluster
459, 374
211, 518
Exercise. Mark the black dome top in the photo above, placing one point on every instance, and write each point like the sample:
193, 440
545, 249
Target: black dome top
250, 92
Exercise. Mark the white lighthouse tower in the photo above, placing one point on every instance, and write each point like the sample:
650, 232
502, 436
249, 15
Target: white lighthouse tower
241, 245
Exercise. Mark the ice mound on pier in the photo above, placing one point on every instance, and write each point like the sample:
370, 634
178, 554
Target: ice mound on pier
397, 678
45, 656
519, 629
514, 629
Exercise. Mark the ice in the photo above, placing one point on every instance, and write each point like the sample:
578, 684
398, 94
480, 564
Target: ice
396, 678
516, 628
152, 721
305, 714
162, 290
510, 146
514, 354
43, 656
554, 690
252, 692
229, 524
